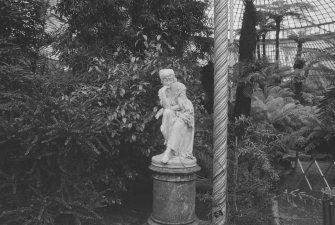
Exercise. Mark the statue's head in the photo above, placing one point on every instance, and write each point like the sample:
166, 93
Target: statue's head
167, 77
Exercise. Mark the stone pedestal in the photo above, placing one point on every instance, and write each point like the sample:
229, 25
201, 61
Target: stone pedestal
174, 192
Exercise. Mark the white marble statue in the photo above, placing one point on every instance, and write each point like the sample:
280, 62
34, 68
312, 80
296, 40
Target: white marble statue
178, 119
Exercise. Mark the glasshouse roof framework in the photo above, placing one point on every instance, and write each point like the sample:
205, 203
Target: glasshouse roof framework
320, 16
317, 22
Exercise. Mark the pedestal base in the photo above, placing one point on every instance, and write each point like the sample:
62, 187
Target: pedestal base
173, 193
152, 221
175, 162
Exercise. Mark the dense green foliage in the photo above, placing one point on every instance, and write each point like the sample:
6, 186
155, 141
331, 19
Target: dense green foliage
300, 116
70, 146
101, 28
74, 141
254, 149
22, 24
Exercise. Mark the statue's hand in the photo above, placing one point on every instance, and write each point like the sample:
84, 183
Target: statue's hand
175, 107
164, 88
159, 113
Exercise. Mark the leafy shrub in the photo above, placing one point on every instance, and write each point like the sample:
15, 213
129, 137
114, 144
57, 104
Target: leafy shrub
71, 146
253, 151
319, 135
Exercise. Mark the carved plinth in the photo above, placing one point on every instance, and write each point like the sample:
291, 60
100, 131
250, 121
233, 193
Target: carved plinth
174, 192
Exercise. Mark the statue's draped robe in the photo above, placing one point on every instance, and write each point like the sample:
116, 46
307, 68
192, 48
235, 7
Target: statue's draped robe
178, 125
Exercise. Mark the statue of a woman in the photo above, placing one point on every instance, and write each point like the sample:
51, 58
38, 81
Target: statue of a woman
178, 118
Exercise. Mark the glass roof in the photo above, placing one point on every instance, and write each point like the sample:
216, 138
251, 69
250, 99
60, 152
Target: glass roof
319, 19
317, 22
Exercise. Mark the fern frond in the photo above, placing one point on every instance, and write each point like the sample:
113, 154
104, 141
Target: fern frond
327, 106
92, 146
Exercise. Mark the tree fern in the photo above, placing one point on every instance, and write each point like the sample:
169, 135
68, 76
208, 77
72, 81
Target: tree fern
327, 107
277, 10
278, 107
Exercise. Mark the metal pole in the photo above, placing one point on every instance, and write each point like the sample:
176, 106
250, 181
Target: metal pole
231, 31
322, 175
305, 174
231, 22
220, 111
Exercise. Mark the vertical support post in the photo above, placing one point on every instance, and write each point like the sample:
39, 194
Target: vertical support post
231, 31
231, 21
328, 206
220, 111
